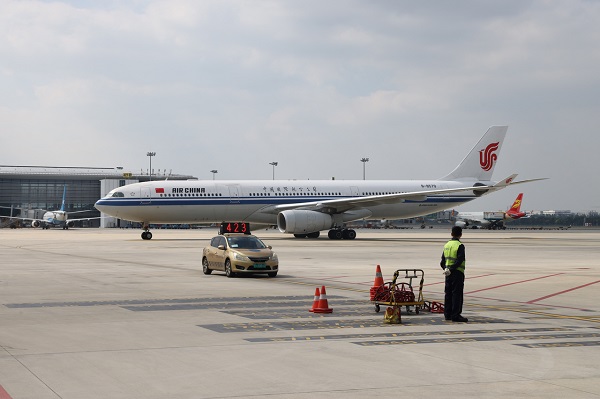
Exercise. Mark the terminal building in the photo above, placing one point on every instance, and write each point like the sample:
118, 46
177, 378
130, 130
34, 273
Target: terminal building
29, 191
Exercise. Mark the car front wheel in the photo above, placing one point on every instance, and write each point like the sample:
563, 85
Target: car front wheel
228, 271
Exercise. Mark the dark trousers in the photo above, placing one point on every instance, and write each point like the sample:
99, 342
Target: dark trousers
453, 300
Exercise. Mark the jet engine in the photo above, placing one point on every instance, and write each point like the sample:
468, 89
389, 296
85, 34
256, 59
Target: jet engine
461, 223
303, 222
35, 223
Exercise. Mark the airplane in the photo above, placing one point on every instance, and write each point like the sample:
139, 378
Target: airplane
58, 218
304, 208
490, 220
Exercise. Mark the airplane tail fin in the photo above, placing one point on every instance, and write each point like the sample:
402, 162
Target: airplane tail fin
62, 206
515, 209
480, 162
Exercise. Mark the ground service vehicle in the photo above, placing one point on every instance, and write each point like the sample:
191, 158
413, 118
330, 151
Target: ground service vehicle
239, 254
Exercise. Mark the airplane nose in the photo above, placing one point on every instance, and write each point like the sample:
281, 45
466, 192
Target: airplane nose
99, 206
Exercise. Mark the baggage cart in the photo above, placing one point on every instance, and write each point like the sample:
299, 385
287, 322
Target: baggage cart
398, 294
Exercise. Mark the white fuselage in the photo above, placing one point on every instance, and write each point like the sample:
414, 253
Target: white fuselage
55, 217
256, 201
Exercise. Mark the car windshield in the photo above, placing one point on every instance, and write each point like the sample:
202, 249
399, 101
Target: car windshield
245, 242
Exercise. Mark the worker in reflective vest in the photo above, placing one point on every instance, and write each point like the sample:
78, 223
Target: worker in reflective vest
453, 263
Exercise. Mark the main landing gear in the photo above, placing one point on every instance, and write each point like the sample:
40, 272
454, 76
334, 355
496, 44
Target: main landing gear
334, 234
338, 234
146, 235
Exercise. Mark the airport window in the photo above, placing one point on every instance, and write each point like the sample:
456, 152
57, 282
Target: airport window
48, 194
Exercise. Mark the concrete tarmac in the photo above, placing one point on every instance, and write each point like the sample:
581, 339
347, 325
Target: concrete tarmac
100, 313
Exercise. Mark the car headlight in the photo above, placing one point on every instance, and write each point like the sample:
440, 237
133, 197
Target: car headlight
274, 257
240, 257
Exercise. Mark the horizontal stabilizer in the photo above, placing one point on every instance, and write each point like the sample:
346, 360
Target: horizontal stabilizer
504, 182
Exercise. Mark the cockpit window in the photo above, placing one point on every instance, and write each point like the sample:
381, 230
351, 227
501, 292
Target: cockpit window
118, 194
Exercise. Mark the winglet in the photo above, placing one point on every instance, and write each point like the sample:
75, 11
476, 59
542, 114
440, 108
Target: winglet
509, 181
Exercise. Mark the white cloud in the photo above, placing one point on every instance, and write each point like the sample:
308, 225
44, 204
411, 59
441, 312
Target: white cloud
317, 85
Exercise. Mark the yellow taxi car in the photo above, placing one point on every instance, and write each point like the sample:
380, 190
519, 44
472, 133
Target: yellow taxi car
239, 253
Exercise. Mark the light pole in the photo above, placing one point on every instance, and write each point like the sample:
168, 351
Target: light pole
364, 161
150, 155
273, 164
214, 171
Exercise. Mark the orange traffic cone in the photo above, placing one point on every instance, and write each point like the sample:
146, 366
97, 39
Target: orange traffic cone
323, 305
315, 301
377, 283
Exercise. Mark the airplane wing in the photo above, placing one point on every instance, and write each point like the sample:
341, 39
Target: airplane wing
345, 204
79, 219
42, 210
22, 218
86, 210
509, 181
45, 221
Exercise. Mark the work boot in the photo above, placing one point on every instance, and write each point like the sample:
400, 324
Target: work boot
460, 319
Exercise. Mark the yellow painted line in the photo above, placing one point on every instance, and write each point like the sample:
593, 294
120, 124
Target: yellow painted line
592, 319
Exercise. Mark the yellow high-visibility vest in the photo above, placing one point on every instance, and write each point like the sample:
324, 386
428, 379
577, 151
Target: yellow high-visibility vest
451, 253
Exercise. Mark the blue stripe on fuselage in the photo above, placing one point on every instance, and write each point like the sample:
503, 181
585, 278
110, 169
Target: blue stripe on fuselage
253, 201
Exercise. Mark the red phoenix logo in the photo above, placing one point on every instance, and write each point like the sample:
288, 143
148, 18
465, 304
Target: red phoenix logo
487, 156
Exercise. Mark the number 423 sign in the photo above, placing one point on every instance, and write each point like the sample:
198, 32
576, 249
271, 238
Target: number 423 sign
234, 227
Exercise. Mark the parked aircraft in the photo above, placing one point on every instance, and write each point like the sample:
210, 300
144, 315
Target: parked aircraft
306, 207
490, 220
59, 218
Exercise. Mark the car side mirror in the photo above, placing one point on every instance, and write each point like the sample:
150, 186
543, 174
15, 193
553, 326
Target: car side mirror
270, 247
221, 247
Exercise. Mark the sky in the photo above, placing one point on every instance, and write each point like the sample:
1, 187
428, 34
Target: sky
313, 85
